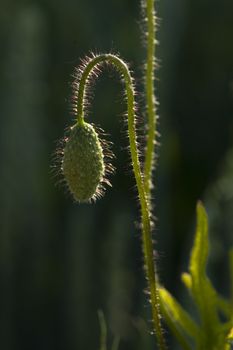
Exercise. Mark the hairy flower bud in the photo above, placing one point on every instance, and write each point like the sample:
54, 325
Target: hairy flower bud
83, 162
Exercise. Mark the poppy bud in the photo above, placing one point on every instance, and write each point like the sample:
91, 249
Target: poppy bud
83, 162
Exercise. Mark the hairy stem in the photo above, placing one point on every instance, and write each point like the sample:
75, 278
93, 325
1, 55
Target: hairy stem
122, 67
150, 96
150, 99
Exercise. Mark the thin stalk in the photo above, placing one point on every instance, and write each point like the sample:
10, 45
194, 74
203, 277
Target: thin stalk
103, 331
150, 95
116, 342
150, 16
122, 67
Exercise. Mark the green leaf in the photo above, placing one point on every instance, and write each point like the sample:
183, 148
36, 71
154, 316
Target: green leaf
212, 334
202, 291
229, 340
187, 280
230, 336
222, 304
200, 249
177, 318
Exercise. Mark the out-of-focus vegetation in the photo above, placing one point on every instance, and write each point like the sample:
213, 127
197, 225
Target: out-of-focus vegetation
62, 262
212, 328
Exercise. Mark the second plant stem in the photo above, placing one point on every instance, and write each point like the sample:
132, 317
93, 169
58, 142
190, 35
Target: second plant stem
150, 151
150, 94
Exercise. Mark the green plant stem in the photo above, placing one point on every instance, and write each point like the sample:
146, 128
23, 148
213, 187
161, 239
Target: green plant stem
116, 342
150, 95
122, 67
103, 331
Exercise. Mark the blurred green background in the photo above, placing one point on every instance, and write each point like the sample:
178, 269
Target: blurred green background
60, 262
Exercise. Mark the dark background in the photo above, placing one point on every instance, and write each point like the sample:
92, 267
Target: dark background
60, 262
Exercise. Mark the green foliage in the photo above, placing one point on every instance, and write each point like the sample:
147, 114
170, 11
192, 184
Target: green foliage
211, 332
178, 319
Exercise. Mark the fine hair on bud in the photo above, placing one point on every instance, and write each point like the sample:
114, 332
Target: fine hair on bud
84, 165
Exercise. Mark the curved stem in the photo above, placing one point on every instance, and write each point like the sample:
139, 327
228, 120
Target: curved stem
122, 67
150, 96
